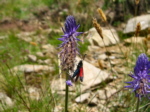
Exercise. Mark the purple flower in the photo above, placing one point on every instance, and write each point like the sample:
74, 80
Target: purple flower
69, 83
141, 77
69, 45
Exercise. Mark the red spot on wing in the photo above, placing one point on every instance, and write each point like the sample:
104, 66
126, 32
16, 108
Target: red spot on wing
81, 72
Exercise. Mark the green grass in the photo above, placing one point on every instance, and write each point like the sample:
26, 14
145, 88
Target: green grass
12, 52
21, 9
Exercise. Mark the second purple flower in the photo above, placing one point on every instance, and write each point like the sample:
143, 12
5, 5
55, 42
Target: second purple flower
141, 77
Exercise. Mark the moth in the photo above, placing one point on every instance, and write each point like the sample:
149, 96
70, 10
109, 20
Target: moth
79, 71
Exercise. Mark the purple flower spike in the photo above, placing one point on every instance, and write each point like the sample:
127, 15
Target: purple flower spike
69, 43
141, 77
69, 83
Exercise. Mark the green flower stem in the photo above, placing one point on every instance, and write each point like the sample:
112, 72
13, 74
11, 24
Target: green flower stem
138, 103
66, 96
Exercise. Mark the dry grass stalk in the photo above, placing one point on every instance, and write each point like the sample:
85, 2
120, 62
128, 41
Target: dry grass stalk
145, 42
138, 29
33, 43
100, 65
101, 13
137, 2
149, 30
97, 27
78, 2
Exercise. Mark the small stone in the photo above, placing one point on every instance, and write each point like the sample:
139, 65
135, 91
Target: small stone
5, 99
34, 93
32, 58
48, 47
40, 54
47, 61
41, 61
102, 56
82, 98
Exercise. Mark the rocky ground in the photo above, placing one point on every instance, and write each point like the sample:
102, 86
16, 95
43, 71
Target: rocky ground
105, 68
106, 65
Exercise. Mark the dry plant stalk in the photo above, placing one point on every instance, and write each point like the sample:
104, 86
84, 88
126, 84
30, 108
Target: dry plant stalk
101, 13
97, 27
138, 29
137, 2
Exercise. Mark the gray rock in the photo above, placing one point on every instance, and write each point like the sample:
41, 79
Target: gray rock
110, 37
132, 23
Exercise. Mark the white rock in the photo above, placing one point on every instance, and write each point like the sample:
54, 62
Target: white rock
32, 68
92, 76
82, 98
110, 37
5, 99
132, 23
